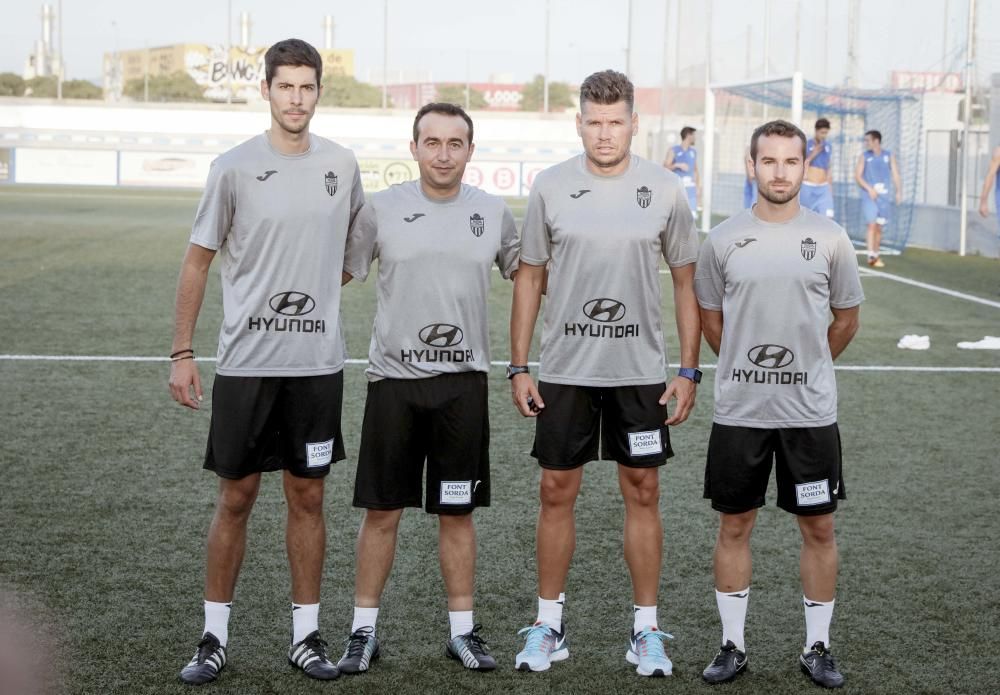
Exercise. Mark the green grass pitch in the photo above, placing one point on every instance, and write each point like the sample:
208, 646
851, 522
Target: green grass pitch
104, 506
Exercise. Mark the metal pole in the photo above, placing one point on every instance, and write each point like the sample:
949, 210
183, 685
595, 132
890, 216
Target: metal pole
944, 36
468, 76
661, 141
707, 168
798, 36
708, 43
229, 51
545, 85
385, 54
59, 75
767, 50
677, 44
826, 42
628, 43
970, 57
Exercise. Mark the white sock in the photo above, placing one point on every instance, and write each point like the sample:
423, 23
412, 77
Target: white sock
364, 617
733, 613
645, 616
305, 620
217, 620
461, 622
550, 611
818, 617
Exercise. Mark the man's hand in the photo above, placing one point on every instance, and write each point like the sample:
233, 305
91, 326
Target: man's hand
683, 390
899, 197
680, 165
183, 377
872, 193
525, 395
984, 209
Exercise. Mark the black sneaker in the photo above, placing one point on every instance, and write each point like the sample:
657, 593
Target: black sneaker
209, 658
727, 664
362, 649
471, 650
310, 656
820, 666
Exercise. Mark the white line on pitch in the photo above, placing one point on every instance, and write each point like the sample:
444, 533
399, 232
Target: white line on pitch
495, 363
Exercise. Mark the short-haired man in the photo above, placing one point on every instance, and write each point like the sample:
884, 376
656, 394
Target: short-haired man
992, 180
601, 222
435, 240
682, 159
875, 171
278, 207
767, 282
817, 188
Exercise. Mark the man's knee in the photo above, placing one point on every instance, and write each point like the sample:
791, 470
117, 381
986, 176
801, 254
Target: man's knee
382, 520
237, 497
818, 530
558, 489
641, 487
304, 495
735, 529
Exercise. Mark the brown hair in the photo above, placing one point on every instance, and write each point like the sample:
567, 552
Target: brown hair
607, 87
781, 128
293, 52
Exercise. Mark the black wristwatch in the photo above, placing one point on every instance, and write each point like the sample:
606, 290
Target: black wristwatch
513, 369
689, 373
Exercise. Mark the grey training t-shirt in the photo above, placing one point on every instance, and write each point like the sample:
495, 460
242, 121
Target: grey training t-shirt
775, 285
280, 222
602, 238
433, 280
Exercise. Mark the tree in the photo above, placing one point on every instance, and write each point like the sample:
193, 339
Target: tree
44, 87
11, 85
81, 89
455, 94
341, 90
177, 86
560, 95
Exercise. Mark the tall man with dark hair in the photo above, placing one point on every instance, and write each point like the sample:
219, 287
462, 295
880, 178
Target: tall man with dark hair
278, 207
601, 222
767, 282
875, 171
817, 187
435, 240
682, 159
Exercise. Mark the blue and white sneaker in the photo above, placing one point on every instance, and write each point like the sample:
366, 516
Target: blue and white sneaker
361, 650
209, 659
542, 646
646, 652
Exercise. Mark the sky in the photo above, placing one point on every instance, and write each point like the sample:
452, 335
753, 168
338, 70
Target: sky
452, 40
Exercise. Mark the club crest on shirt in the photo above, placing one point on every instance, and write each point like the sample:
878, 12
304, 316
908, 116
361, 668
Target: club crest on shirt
330, 181
643, 196
477, 224
808, 248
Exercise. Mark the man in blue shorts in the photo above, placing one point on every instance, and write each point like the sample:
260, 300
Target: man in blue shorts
817, 187
875, 171
682, 159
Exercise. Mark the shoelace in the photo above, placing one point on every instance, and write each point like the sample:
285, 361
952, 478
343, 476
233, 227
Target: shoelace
318, 645
535, 640
652, 641
476, 643
205, 649
357, 641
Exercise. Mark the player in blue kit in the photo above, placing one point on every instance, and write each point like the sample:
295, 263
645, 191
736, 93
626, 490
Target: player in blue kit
817, 187
992, 181
749, 184
875, 171
682, 159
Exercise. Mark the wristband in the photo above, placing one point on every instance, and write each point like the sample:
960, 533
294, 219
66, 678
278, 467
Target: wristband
185, 357
181, 352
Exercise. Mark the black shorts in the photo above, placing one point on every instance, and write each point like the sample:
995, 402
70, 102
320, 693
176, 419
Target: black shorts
808, 471
275, 423
627, 420
442, 419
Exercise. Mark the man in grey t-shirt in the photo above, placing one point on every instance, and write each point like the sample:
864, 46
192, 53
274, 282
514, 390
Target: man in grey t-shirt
277, 210
767, 281
601, 222
436, 241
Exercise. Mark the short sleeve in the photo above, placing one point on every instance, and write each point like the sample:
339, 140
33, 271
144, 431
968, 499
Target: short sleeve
845, 279
510, 245
214, 218
679, 238
361, 238
536, 237
709, 282
357, 192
